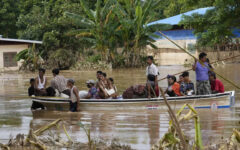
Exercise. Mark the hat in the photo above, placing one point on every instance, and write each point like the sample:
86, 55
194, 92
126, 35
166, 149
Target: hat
90, 82
71, 81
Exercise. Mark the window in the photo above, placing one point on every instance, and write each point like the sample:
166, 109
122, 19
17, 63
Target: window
9, 59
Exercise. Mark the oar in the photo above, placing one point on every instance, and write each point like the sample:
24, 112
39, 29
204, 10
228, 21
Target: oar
210, 63
229, 81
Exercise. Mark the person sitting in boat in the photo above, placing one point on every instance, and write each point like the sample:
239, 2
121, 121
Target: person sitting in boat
40, 83
98, 75
152, 81
31, 89
202, 84
74, 96
92, 92
105, 88
59, 83
180, 81
187, 86
216, 85
173, 87
31, 92
114, 86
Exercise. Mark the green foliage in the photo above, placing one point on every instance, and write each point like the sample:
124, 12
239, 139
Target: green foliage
61, 58
8, 18
215, 27
31, 58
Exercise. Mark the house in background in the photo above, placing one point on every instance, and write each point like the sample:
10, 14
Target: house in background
169, 54
9, 49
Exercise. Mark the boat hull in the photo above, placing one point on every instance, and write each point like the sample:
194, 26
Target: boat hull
213, 101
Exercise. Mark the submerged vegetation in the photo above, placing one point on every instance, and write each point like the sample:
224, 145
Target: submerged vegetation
115, 31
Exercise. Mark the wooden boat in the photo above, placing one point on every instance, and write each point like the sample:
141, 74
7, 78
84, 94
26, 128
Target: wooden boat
214, 101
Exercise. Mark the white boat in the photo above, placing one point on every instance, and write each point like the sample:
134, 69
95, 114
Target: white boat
215, 101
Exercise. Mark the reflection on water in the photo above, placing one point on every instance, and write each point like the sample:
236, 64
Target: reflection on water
139, 129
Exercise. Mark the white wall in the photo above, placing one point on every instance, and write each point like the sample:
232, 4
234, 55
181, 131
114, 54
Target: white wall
10, 48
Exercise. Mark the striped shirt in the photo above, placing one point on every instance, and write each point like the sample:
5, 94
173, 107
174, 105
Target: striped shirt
59, 83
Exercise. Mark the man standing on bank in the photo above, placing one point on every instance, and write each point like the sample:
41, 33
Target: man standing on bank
152, 80
202, 84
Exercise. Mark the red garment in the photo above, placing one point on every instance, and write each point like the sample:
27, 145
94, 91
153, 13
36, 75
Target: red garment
217, 86
157, 90
176, 88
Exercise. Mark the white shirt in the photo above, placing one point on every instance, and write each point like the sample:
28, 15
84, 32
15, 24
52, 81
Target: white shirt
41, 85
152, 69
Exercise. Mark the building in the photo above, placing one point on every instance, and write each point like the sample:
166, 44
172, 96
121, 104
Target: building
8, 50
169, 54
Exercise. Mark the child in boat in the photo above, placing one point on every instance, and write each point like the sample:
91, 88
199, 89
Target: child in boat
216, 85
180, 81
31, 88
31, 92
74, 96
114, 86
187, 86
92, 92
173, 87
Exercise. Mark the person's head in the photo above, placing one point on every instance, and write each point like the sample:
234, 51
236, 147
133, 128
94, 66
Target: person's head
149, 60
171, 79
203, 57
41, 72
32, 81
70, 82
98, 74
101, 77
185, 76
212, 76
104, 74
181, 78
90, 83
111, 79
55, 72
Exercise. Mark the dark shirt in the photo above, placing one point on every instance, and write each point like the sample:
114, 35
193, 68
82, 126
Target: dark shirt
185, 87
31, 91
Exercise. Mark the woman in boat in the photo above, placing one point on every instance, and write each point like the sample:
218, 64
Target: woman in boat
216, 85
173, 87
187, 86
105, 88
40, 83
202, 77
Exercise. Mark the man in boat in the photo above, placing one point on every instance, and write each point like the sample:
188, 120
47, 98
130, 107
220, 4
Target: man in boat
187, 86
202, 84
40, 83
152, 80
173, 87
92, 92
74, 96
216, 85
59, 83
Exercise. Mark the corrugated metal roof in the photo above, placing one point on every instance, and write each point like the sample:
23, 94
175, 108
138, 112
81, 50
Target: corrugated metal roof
20, 40
174, 20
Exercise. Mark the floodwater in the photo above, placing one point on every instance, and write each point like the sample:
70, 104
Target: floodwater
138, 129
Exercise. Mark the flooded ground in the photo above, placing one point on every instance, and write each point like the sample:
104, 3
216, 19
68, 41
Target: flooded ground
138, 129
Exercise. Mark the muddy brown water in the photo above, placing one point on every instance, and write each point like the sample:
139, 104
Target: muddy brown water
138, 129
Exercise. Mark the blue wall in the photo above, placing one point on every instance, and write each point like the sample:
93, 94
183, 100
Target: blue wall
186, 34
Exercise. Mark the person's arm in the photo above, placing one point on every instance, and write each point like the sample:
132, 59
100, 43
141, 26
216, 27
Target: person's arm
102, 89
182, 90
36, 84
194, 65
75, 91
45, 85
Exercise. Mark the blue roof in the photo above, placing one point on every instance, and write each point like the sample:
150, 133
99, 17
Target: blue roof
174, 20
